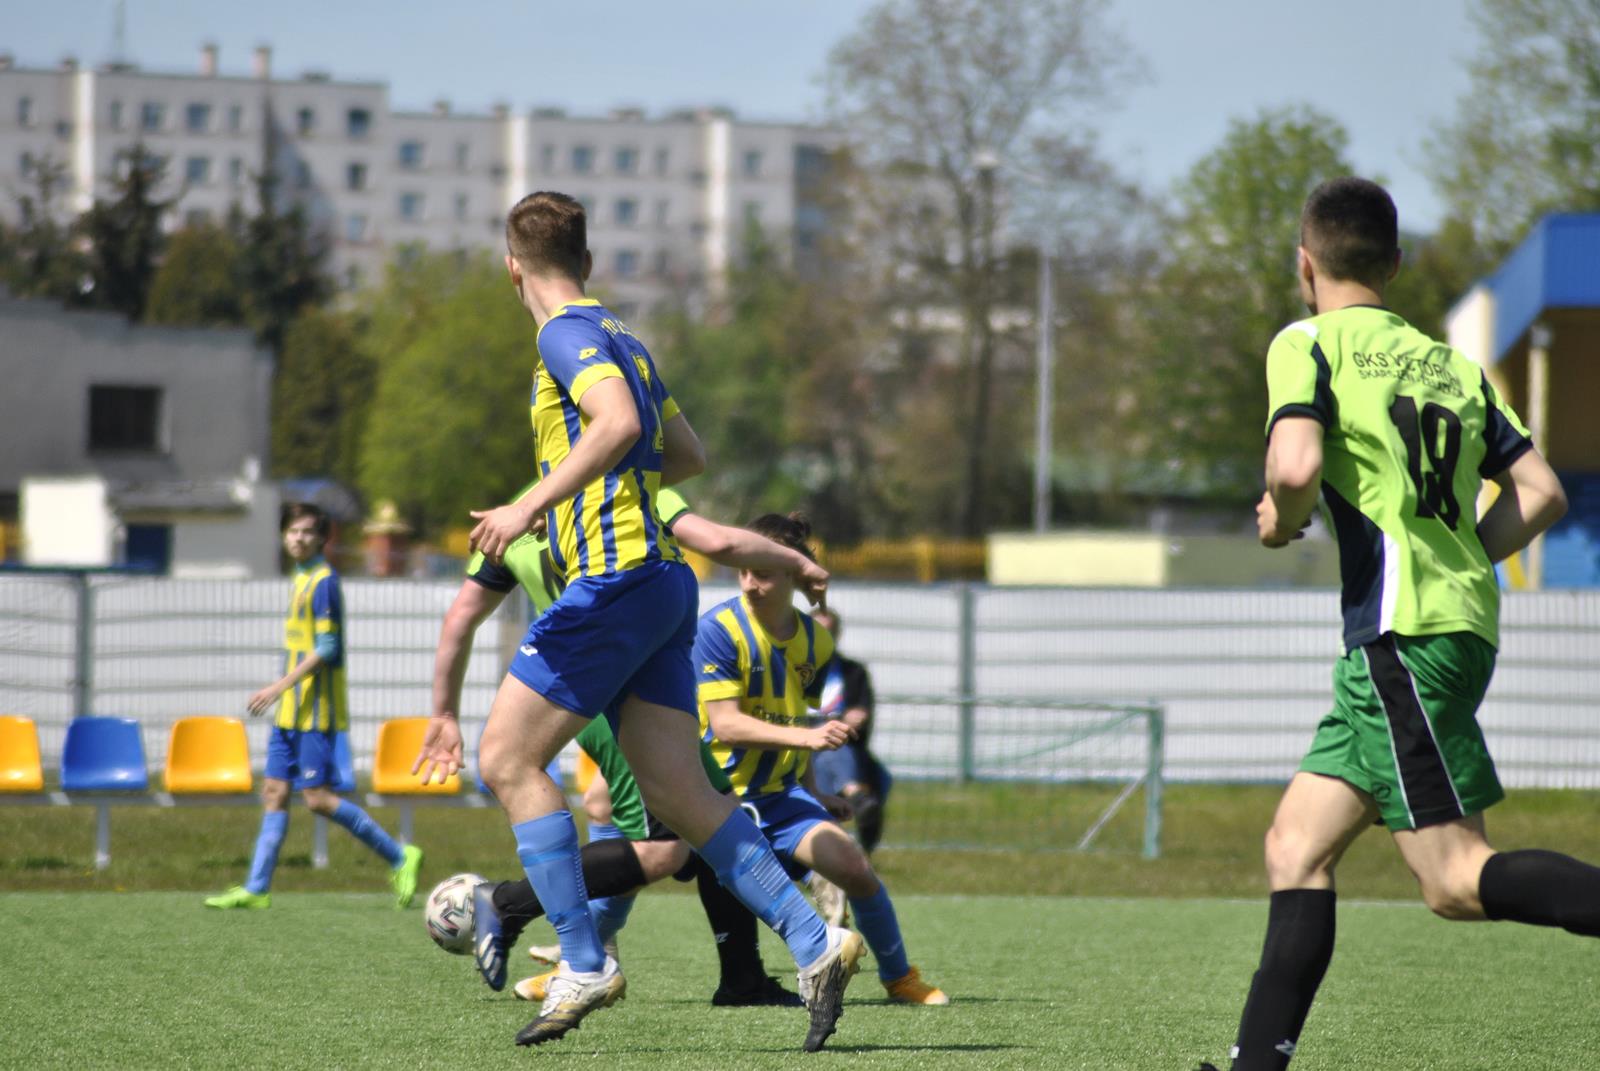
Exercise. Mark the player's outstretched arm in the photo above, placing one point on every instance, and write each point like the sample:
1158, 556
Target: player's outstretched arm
740, 548
471, 607
1294, 479
682, 453
734, 727
1531, 500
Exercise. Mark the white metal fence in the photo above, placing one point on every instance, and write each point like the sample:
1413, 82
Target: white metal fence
1243, 676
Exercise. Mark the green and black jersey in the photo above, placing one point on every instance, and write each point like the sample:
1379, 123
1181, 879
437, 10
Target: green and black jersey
1412, 428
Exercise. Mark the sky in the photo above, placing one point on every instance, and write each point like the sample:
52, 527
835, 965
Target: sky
1389, 70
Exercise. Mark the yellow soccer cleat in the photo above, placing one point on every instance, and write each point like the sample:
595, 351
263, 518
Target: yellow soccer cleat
240, 897
536, 987
569, 997
911, 989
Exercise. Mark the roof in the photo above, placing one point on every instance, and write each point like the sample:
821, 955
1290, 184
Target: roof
178, 496
1557, 266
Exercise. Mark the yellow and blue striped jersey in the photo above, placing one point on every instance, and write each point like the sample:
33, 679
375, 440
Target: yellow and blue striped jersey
611, 525
316, 612
774, 680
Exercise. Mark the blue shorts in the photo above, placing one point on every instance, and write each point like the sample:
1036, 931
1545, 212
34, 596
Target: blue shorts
785, 818
307, 757
611, 637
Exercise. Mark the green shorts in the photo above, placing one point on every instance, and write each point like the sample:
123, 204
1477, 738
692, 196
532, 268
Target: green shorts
1404, 728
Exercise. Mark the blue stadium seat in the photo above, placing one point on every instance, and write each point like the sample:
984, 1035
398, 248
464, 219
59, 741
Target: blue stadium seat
104, 754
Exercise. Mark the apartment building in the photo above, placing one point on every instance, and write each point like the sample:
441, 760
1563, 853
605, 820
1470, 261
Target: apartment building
669, 196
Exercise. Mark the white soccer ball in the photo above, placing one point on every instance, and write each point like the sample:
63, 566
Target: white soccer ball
449, 913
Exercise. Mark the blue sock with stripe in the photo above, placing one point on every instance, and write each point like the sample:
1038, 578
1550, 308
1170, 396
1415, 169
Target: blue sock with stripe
274, 824
876, 920
746, 867
610, 913
548, 849
368, 832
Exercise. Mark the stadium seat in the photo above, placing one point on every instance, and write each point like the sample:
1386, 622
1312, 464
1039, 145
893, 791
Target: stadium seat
208, 755
103, 754
399, 741
20, 768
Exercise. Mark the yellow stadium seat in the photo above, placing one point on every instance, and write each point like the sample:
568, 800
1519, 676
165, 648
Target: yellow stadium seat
208, 755
20, 768
399, 741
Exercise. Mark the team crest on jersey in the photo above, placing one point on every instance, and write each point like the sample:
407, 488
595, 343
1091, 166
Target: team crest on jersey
807, 672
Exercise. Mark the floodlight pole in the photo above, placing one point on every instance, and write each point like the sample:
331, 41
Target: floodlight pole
1043, 432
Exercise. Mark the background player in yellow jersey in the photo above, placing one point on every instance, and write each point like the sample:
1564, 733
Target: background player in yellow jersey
1396, 432
313, 710
608, 436
758, 660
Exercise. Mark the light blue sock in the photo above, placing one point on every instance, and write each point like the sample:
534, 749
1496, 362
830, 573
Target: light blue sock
746, 867
548, 848
610, 913
368, 832
876, 920
274, 824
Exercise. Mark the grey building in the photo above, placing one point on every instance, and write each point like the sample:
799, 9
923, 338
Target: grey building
669, 196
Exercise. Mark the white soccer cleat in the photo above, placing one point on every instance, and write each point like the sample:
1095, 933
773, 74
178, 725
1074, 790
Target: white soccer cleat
823, 982
550, 955
569, 997
832, 904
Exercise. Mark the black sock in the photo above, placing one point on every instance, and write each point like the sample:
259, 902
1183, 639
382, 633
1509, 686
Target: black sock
610, 867
734, 928
1294, 957
1542, 889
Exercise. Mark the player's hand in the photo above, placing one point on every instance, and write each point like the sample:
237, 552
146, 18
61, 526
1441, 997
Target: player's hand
838, 806
502, 526
829, 736
812, 580
262, 701
441, 749
1267, 522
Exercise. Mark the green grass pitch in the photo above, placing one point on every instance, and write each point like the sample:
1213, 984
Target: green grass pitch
337, 979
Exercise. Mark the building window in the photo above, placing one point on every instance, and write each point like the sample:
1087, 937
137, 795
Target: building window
152, 115
197, 118
115, 115
358, 122
752, 213
355, 227
305, 121
411, 206
355, 177
236, 172
582, 159
627, 264
63, 130
663, 212
663, 157
197, 170
663, 263
627, 161
24, 111
302, 175
547, 158
752, 163
411, 155
25, 164
124, 418
462, 154
197, 217
235, 118
461, 206
627, 212
497, 172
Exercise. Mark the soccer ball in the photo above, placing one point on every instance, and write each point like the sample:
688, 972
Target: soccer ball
449, 913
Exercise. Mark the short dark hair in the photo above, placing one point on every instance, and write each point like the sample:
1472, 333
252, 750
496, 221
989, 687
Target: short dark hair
296, 510
1349, 225
790, 531
547, 232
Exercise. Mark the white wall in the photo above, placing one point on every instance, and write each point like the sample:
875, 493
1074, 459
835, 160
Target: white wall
67, 521
229, 547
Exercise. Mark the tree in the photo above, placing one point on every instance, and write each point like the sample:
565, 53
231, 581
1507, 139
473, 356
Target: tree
124, 236
936, 95
321, 397
1226, 287
1526, 137
40, 258
448, 428
198, 282
282, 263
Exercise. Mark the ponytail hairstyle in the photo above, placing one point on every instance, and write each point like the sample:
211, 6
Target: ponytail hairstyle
790, 531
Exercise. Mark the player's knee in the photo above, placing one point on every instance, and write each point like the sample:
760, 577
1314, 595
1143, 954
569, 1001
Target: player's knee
1452, 894
500, 766
1293, 862
320, 800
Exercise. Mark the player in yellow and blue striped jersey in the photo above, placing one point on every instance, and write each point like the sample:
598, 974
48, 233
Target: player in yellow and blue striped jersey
313, 711
759, 661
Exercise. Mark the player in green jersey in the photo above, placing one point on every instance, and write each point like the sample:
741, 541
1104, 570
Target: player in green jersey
642, 850
1396, 432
